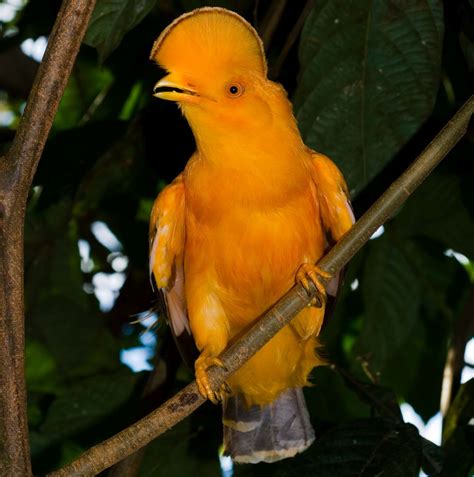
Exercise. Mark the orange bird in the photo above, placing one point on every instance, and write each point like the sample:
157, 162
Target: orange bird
252, 212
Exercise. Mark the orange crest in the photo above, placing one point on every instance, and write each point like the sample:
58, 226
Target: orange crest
208, 39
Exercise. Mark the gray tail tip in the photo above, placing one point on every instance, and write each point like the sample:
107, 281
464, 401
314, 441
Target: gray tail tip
270, 433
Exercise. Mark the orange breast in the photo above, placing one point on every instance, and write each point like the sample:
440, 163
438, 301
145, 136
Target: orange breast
249, 252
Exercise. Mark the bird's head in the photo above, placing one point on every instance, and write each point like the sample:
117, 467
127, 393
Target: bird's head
217, 72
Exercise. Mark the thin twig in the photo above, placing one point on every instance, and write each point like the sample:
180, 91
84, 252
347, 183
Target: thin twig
16, 174
291, 39
271, 21
103, 455
462, 332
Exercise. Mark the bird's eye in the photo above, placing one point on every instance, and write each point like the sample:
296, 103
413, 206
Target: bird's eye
234, 90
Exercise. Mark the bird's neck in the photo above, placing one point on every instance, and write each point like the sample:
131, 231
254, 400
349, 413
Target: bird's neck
258, 171
270, 149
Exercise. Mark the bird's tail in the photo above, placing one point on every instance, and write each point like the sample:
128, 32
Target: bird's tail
266, 434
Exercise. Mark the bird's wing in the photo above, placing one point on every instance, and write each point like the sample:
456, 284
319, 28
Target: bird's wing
167, 236
335, 209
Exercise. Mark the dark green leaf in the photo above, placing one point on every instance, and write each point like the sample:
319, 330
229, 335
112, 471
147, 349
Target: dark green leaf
170, 455
432, 459
362, 448
437, 211
461, 410
330, 400
369, 77
458, 433
40, 368
382, 400
392, 298
86, 402
61, 315
111, 20
239, 6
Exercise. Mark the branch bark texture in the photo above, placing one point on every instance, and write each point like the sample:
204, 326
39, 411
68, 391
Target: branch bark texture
131, 439
16, 174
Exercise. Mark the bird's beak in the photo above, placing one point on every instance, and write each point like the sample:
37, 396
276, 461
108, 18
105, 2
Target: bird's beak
172, 88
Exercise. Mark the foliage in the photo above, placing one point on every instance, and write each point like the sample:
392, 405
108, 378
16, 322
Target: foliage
372, 83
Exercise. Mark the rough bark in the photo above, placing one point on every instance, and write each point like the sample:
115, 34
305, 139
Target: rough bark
16, 174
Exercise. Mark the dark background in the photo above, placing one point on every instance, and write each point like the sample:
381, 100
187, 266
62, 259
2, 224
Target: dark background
372, 83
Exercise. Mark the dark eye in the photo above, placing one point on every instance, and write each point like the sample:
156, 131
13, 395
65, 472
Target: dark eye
234, 90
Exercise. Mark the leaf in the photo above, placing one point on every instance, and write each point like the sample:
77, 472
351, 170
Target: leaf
381, 399
437, 211
433, 457
111, 20
86, 85
61, 316
461, 410
170, 455
86, 402
361, 448
391, 293
241, 6
369, 77
40, 368
330, 400
458, 435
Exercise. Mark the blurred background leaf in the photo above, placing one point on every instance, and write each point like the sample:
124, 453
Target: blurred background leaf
111, 20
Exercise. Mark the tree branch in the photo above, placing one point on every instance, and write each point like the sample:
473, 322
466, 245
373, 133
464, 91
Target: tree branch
291, 39
462, 333
271, 20
16, 174
103, 455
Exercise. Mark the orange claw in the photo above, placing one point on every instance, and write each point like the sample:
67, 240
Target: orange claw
202, 364
310, 271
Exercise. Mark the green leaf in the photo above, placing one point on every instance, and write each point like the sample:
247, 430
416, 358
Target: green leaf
437, 211
461, 410
111, 20
381, 399
361, 448
88, 83
369, 77
40, 368
170, 455
391, 293
330, 400
241, 6
86, 402
61, 315
458, 436
433, 457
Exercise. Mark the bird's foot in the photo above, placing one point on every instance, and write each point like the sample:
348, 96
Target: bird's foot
311, 272
202, 364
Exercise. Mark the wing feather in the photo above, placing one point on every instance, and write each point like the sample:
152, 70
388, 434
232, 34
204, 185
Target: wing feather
336, 214
167, 236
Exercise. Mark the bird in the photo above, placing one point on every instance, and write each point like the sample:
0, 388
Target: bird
252, 213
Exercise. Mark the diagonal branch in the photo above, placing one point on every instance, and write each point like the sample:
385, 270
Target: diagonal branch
103, 455
16, 174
